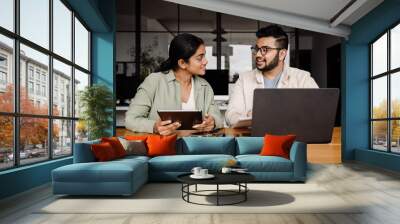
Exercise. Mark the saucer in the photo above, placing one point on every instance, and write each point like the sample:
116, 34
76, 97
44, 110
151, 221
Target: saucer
208, 176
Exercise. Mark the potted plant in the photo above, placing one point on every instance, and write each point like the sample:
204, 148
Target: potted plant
96, 104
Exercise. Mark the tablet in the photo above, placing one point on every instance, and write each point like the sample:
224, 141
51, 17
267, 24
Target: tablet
187, 118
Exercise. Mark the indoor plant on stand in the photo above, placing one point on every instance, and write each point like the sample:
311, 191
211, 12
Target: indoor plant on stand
96, 104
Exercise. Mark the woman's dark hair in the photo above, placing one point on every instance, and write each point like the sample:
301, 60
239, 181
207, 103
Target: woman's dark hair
183, 46
275, 31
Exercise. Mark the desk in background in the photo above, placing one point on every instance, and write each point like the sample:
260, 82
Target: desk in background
234, 132
316, 153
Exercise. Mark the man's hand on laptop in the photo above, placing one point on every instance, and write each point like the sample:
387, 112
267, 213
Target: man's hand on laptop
249, 113
208, 124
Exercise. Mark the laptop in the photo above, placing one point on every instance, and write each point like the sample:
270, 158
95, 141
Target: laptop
307, 113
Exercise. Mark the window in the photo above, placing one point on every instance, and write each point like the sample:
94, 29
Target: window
81, 45
6, 142
45, 131
62, 74
3, 72
7, 14
6, 73
3, 61
44, 77
43, 90
385, 94
81, 81
37, 74
62, 137
30, 72
30, 87
37, 89
3, 78
35, 22
62, 29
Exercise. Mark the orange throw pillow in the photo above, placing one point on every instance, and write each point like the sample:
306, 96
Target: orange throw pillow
136, 137
116, 145
161, 145
277, 145
103, 152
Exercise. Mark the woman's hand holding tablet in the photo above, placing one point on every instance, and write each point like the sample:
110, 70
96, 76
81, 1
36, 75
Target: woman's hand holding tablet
165, 127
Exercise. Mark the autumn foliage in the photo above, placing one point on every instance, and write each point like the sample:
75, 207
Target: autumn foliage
33, 131
380, 127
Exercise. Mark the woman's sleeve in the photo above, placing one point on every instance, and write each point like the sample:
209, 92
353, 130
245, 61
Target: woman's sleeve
136, 118
213, 109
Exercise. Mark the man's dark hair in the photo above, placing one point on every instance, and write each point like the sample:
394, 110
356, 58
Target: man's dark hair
276, 32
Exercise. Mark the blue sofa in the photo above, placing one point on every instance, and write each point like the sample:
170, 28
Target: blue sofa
125, 176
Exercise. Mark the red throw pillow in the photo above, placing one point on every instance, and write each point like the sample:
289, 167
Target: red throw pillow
158, 145
103, 151
136, 137
277, 145
116, 145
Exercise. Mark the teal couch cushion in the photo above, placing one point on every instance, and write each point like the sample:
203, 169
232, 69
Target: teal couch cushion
185, 163
257, 163
206, 145
249, 145
111, 171
83, 152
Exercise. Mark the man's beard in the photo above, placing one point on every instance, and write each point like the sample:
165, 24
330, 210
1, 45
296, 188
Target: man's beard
268, 67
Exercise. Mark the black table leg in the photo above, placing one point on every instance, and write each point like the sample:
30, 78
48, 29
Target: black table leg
217, 194
245, 193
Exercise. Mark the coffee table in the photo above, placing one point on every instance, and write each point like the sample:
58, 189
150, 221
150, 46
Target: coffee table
238, 179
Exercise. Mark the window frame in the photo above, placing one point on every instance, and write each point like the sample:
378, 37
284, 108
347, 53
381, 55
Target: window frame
16, 114
388, 74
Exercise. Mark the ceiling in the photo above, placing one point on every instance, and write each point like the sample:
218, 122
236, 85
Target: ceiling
319, 9
316, 15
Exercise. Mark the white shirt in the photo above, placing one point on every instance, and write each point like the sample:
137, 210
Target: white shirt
190, 104
241, 98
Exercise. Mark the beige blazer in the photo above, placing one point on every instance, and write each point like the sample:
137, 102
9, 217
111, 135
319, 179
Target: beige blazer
163, 92
241, 99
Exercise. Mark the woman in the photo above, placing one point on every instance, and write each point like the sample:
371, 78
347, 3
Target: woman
176, 86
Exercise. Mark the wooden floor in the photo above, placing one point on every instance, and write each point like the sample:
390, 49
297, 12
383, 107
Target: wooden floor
330, 153
377, 189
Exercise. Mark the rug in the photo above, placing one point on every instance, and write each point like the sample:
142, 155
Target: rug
166, 198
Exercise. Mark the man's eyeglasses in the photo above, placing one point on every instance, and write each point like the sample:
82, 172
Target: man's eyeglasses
264, 49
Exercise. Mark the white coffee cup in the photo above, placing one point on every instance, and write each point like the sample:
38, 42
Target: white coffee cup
196, 171
226, 170
203, 172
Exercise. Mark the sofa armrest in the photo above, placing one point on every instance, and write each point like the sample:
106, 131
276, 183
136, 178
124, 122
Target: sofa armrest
298, 155
83, 152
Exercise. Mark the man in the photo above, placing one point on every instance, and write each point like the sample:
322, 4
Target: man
271, 72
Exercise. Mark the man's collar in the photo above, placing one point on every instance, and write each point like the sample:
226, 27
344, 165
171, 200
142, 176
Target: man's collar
284, 78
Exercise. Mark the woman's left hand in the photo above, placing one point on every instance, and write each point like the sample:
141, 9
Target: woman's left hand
208, 124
